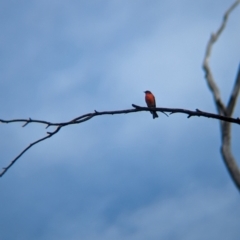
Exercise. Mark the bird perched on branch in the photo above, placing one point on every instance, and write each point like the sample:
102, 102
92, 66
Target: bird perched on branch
151, 103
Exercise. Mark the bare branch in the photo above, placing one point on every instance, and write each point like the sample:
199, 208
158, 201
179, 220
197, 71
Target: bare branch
190, 113
234, 95
27, 148
228, 158
27, 121
226, 151
89, 116
208, 74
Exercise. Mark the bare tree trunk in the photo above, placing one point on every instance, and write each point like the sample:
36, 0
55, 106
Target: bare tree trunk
225, 127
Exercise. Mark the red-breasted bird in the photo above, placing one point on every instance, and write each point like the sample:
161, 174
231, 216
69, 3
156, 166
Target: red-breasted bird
150, 100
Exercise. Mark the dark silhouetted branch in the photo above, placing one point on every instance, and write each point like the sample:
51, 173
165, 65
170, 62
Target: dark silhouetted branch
89, 116
50, 134
190, 113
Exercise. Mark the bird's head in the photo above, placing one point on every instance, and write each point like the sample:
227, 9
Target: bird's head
147, 92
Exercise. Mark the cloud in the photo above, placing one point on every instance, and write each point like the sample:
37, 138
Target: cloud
183, 217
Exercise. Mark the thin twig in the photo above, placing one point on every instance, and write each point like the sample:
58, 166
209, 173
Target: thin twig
50, 134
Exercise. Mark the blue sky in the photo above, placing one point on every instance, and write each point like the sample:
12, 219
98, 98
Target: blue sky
125, 176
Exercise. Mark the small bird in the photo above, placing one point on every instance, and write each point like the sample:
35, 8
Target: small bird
150, 100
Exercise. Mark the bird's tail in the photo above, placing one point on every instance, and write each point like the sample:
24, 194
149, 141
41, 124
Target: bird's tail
154, 115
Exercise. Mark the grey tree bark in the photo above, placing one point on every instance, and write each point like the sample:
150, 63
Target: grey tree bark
222, 109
